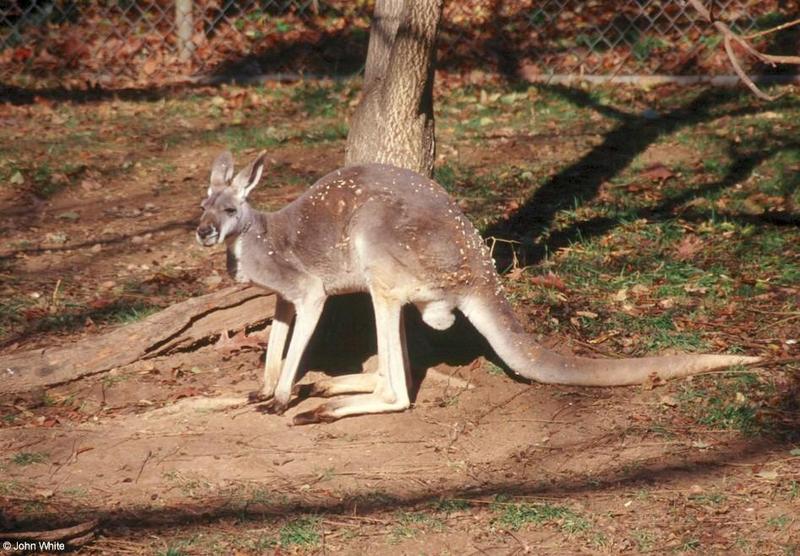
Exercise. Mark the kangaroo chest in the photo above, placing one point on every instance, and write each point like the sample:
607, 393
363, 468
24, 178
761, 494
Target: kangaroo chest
234, 263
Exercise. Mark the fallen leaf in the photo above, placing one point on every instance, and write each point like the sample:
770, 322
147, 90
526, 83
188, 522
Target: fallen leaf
688, 248
69, 215
230, 344
549, 280
769, 475
640, 289
652, 381
186, 392
150, 66
515, 273
90, 185
667, 303
56, 237
17, 178
586, 314
657, 172
669, 401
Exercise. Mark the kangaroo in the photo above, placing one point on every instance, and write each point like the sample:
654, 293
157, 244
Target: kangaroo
400, 237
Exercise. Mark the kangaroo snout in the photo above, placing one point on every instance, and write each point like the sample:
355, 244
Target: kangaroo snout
207, 234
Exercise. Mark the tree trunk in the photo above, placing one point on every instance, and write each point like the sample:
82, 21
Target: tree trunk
393, 123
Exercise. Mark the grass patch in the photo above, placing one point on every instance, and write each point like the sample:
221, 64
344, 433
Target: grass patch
645, 539
172, 551
450, 505
302, 532
132, 313
515, 516
409, 524
731, 402
779, 521
322, 99
710, 499
689, 544
75, 492
28, 458
9, 487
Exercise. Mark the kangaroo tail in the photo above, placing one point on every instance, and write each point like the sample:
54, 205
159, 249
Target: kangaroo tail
495, 320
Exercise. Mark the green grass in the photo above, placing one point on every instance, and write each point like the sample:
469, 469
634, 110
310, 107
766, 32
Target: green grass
410, 524
68, 314
450, 505
9, 487
708, 499
515, 516
729, 402
301, 532
793, 490
689, 544
132, 313
780, 521
322, 99
75, 492
28, 458
645, 539
172, 551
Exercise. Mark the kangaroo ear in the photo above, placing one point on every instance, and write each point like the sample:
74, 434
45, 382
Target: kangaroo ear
247, 179
221, 170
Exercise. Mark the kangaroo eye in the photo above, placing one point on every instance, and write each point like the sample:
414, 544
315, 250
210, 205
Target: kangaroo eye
230, 211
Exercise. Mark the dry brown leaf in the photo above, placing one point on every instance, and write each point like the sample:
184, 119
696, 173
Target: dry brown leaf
688, 248
657, 172
550, 280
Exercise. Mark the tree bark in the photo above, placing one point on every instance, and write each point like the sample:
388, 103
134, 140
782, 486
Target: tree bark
393, 123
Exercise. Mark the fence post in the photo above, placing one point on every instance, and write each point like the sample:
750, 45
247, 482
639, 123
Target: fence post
184, 26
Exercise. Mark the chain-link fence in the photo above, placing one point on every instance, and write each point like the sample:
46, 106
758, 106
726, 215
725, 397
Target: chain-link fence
146, 42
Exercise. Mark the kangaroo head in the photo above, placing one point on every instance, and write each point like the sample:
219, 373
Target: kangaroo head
225, 209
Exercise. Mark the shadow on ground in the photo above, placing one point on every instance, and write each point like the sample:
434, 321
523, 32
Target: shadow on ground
580, 182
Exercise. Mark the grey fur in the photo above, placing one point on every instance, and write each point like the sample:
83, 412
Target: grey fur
399, 236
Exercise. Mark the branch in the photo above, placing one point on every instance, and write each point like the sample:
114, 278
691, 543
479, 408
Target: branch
730, 37
780, 27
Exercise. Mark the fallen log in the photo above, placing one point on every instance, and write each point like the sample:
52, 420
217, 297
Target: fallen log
74, 536
183, 326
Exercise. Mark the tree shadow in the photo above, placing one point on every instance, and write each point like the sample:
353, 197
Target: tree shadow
580, 182
527, 482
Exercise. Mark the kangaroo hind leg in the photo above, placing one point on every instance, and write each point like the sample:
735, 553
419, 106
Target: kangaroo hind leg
364, 383
391, 388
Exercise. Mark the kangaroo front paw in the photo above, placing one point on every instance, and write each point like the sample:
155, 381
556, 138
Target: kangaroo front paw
318, 415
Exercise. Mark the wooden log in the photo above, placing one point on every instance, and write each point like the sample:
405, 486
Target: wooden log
74, 536
183, 326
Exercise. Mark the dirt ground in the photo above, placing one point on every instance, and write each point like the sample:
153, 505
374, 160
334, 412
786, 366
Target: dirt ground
97, 212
